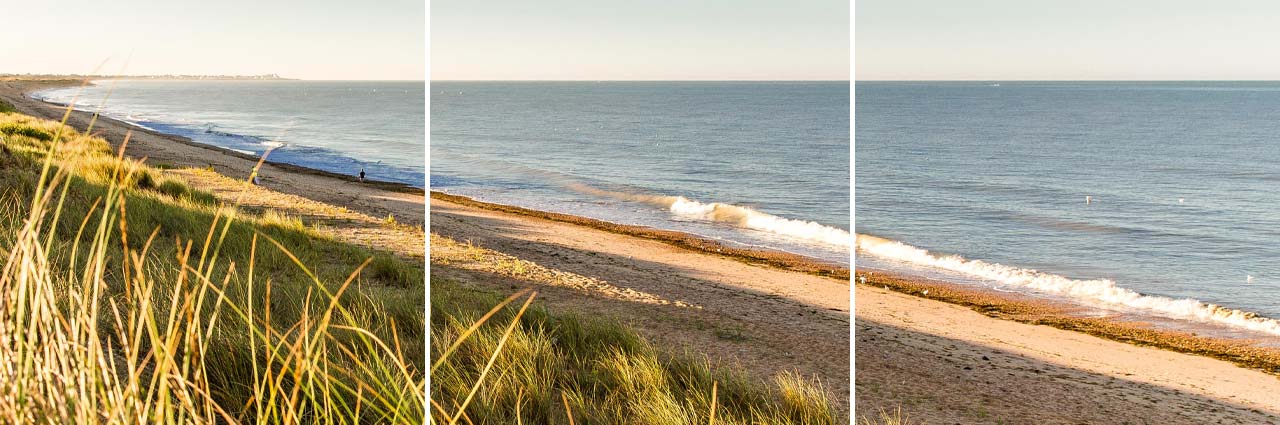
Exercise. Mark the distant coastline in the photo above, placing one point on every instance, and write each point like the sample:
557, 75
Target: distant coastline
264, 77
375, 198
24, 88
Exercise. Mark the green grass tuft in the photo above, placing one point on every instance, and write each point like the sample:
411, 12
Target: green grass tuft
13, 129
550, 367
129, 297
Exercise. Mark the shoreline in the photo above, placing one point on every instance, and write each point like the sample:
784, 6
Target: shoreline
1135, 328
956, 355
1065, 315
52, 84
406, 204
755, 256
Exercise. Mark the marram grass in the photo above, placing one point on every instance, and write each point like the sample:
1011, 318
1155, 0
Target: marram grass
885, 417
517, 364
128, 297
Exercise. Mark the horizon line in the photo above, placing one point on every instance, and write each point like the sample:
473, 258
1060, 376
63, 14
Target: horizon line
101, 78
1054, 80
632, 80
258, 77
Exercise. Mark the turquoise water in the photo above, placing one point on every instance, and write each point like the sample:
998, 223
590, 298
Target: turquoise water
336, 126
1151, 199
760, 164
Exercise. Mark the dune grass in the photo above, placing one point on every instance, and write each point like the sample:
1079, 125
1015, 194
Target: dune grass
886, 417
520, 364
129, 297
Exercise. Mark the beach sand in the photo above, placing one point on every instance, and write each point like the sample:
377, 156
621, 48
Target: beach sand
942, 362
765, 318
376, 199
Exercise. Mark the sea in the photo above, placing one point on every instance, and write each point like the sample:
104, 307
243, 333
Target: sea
750, 164
335, 126
1150, 200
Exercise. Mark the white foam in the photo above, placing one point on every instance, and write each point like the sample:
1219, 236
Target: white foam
737, 215
1096, 292
752, 219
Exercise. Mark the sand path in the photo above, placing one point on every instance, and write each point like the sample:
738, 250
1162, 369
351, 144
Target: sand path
766, 319
948, 364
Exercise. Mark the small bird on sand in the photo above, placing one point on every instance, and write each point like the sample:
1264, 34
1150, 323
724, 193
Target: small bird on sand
862, 279
926, 292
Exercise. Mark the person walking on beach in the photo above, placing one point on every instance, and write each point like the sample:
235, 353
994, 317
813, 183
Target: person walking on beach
361, 175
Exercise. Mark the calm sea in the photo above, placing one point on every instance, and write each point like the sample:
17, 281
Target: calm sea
752, 163
1151, 199
336, 126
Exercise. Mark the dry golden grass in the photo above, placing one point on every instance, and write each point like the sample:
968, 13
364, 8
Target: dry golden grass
884, 417
508, 364
126, 297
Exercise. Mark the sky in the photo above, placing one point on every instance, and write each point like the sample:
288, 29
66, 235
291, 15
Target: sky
639, 40
316, 40
1066, 40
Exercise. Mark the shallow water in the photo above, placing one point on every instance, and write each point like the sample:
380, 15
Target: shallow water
336, 126
1154, 198
763, 164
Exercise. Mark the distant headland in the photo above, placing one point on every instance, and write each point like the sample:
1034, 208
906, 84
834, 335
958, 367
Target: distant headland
141, 77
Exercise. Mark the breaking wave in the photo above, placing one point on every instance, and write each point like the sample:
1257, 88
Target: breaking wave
732, 214
1101, 292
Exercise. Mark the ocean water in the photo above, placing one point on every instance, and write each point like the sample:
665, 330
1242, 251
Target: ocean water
336, 126
749, 163
1155, 199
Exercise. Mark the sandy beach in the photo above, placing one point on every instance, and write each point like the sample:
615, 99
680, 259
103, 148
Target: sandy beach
943, 362
765, 318
374, 199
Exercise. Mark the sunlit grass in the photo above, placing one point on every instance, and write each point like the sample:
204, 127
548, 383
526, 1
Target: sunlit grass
516, 364
129, 297
885, 417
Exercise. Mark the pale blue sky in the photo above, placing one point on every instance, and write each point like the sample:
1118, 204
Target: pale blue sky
325, 39
640, 40
1066, 40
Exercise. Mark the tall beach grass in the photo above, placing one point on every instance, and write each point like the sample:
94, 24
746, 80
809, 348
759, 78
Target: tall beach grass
129, 297
517, 363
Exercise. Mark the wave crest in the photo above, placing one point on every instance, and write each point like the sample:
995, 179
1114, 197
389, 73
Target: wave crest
733, 214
